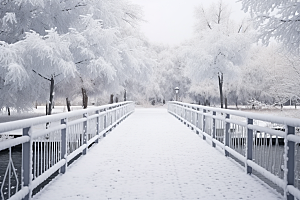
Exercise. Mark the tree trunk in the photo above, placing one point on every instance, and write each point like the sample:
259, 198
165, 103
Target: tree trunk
207, 103
111, 99
68, 105
84, 98
117, 99
225, 102
8, 111
220, 76
51, 96
125, 95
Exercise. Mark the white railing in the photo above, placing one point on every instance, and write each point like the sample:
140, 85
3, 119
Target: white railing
46, 151
267, 144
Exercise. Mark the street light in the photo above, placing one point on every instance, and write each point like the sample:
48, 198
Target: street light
176, 91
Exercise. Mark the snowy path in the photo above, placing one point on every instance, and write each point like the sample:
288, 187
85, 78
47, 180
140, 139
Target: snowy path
152, 156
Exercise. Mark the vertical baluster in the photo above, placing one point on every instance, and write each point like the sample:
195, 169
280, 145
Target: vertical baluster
260, 148
9, 171
38, 158
35, 163
274, 157
51, 150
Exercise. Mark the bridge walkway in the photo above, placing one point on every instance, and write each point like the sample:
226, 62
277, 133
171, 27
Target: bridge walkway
151, 155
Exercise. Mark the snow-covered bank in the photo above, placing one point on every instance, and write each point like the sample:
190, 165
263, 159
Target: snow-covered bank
152, 156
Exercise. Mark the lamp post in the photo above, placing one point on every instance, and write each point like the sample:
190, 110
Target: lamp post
176, 91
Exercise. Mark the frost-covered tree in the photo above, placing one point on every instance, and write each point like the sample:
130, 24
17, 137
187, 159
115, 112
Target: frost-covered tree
277, 19
219, 47
20, 16
28, 66
270, 75
71, 47
168, 74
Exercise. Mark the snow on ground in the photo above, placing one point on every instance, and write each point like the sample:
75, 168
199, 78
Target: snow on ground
151, 155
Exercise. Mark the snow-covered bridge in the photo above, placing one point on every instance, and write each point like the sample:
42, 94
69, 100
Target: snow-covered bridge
151, 155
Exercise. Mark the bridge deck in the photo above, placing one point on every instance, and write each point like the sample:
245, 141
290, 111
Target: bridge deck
152, 156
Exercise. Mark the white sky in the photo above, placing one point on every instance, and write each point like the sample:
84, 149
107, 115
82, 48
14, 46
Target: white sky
171, 21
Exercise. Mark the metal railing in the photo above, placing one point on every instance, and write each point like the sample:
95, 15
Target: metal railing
266, 144
49, 151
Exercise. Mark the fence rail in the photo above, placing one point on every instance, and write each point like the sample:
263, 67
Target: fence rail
46, 151
266, 144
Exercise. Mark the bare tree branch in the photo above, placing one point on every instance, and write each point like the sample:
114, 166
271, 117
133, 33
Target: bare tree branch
41, 75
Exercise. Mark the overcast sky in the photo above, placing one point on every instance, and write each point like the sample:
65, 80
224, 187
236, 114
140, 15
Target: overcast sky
171, 21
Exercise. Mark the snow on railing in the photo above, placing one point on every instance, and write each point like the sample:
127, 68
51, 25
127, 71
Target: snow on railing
48, 151
253, 139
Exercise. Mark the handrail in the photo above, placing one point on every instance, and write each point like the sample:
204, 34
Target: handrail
248, 142
274, 119
9, 126
46, 150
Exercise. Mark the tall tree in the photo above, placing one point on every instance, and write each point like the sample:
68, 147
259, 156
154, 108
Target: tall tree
219, 47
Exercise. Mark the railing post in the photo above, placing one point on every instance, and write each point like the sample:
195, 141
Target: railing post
97, 127
203, 124
184, 115
227, 129
197, 121
214, 129
63, 153
249, 146
105, 120
290, 161
85, 128
27, 163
